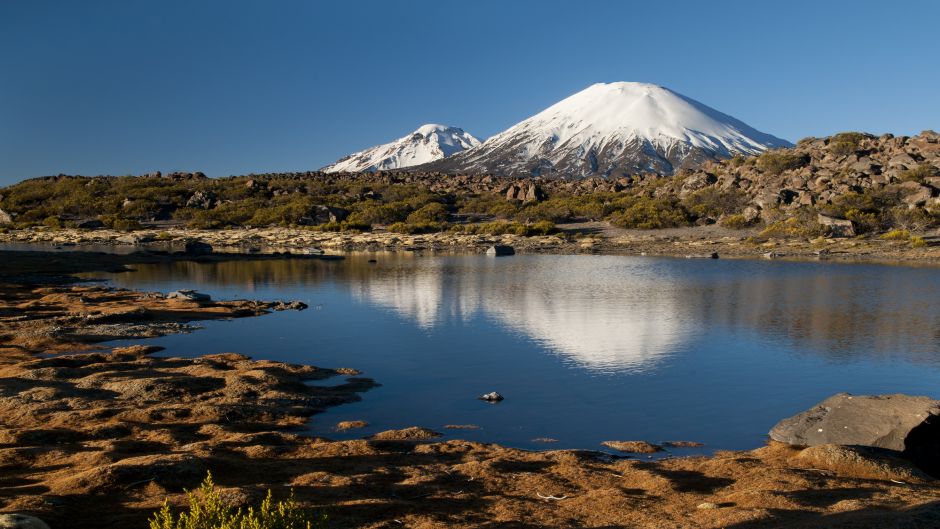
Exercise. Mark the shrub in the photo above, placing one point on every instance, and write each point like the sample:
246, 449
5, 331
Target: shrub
435, 212
864, 221
918, 242
776, 162
52, 222
897, 235
793, 227
371, 214
648, 213
207, 510
542, 227
918, 174
712, 202
845, 143
808, 139
417, 227
735, 222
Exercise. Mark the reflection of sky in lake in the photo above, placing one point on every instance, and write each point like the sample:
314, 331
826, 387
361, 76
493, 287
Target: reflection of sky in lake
586, 348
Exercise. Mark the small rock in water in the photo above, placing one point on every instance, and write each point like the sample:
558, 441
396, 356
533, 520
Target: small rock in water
491, 397
289, 305
21, 521
633, 447
189, 295
500, 249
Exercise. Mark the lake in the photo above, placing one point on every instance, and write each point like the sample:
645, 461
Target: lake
584, 348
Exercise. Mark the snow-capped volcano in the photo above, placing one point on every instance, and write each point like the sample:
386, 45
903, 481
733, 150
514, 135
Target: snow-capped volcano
613, 129
427, 144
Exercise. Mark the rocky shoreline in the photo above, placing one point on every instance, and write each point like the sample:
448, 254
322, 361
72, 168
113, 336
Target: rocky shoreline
583, 238
100, 438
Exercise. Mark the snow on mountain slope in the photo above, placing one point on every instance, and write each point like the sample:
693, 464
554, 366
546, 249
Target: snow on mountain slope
427, 144
613, 129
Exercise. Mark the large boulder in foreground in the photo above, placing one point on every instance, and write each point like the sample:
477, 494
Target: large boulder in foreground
895, 422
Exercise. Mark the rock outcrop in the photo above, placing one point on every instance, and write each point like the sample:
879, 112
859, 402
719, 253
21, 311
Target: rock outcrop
893, 422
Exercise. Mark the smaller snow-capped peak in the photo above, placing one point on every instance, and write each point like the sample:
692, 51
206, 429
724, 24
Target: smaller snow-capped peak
428, 143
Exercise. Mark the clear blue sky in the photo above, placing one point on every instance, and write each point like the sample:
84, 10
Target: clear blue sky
231, 87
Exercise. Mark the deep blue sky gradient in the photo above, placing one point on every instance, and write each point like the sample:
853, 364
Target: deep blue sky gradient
231, 87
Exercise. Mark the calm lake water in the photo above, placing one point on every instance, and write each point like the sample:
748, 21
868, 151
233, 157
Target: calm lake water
584, 348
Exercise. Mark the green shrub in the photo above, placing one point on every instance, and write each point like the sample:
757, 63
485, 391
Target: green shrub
918, 242
371, 214
435, 212
897, 235
417, 227
776, 162
845, 143
52, 222
712, 202
207, 510
651, 213
864, 221
542, 227
735, 222
793, 227
918, 174
807, 139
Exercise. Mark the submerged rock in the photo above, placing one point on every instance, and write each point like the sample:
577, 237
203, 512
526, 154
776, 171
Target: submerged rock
895, 422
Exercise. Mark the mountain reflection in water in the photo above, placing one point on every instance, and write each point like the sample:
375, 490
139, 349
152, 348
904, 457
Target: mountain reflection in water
585, 348
615, 313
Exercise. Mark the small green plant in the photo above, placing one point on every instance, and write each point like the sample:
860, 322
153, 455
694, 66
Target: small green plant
207, 510
52, 222
918, 242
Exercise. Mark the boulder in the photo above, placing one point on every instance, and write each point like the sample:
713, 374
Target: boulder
5, 218
321, 214
533, 193
500, 249
836, 227
202, 200
90, 224
915, 194
21, 521
197, 248
893, 422
751, 214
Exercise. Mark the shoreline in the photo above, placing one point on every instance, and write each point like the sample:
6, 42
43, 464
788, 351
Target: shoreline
100, 438
583, 238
